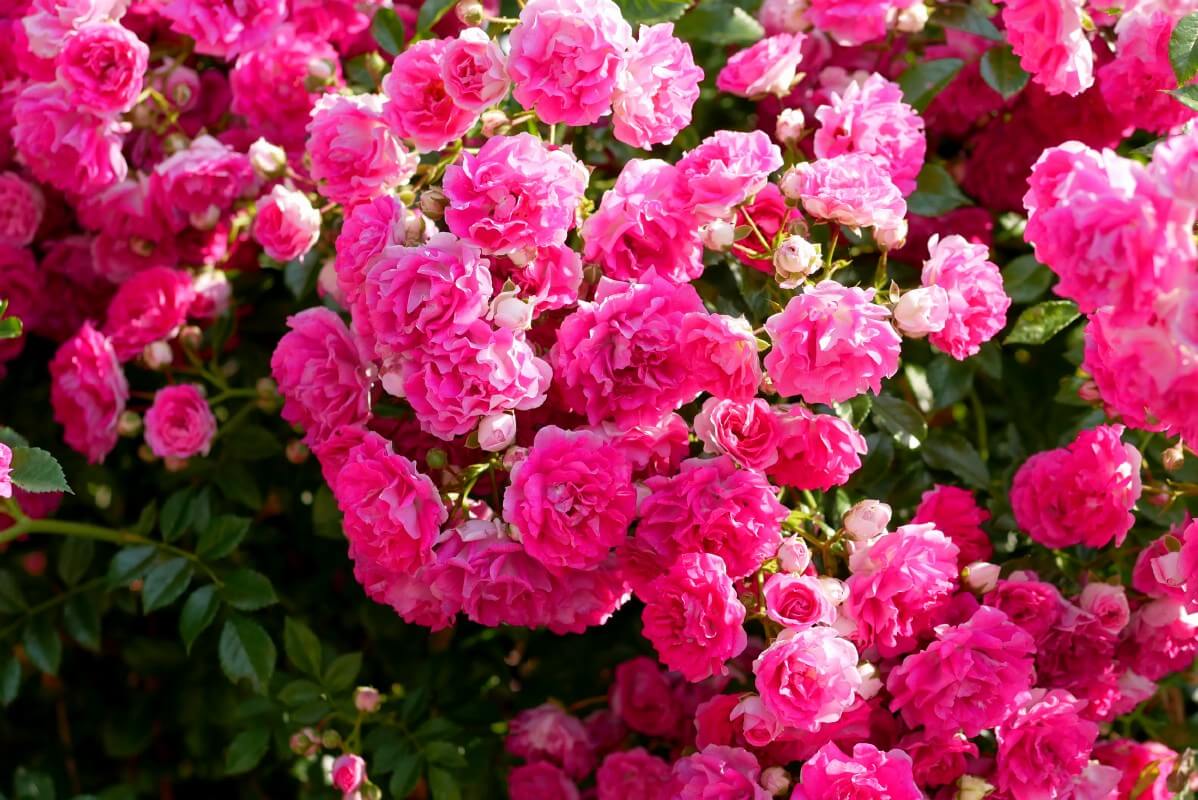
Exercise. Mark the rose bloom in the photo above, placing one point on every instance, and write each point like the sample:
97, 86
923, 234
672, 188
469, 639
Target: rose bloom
349, 771
768, 67
618, 358
287, 226
725, 170
47, 23
868, 774
1141, 69
815, 451
748, 432
724, 352
850, 189
1050, 40
548, 733
640, 696
179, 423
25, 289
418, 106
641, 225
717, 772
565, 57
551, 280
871, 118
938, 760
88, 392
1030, 603
1044, 746
571, 498
473, 71
693, 617
1161, 638
1133, 760
540, 779
515, 194
977, 304
1080, 494
201, 181
225, 29
655, 449
831, 343
5, 471
900, 584
22, 206
850, 22
103, 64
633, 773
957, 515
149, 307
72, 149
808, 678
355, 156
797, 602
392, 512
656, 90
321, 374
366, 231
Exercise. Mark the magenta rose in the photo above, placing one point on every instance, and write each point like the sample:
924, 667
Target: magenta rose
547, 733
868, 774
640, 695
74, 150
179, 423
724, 351
198, 182
88, 392
355, 156
656, 90
1044, 747
717, 771
957, 515
418, 106
815, 451
538, 780
149, 307
22, 206
633, 773
225, 29
747, 432
797, 602
808, 678
104, 64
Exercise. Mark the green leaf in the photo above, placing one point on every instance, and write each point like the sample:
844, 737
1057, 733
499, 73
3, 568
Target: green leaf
430, 14
443, 785
74, 557
898, 418
81, 618
936, 193
1183, 49
165, 582
146, 519
179, 514
1187, 96
949, 379
129, 564
1041, 322
952, 453
35, 470
927, 79
246, 750
387, 29
326, 517
42, 644
222, 536
445, 754
302, 647
10, 680
11, 438
406, 774
247, 653
342, 673
247, 590
1001, 71
12, 600
198, 613
238, 483
1025, 279
29, 785
301, 692
966, 18
11, 328
719, 22
648, 12
253, 443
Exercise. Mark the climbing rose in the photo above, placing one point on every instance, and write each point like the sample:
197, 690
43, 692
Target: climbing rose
656, 90
724, 352
473, 71
287, 226
850, 22
22, 206
88, 392
956, 514
1049, 38
418, 106
977, 304
797, 601
103, 64
547, 733
815, 451
179, 423
540, 779
747, 432
768, 67
633, 773
149, 307
867, 774
725, 170
808, 678
1044, 747
355, 156
717, 771
850, 189
225, 29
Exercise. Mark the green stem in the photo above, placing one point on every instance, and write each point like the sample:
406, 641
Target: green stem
756, 230
229, 394
881, 275
235, 420
56, 600
979, 414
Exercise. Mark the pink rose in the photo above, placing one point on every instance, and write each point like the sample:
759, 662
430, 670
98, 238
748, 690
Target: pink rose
473, 71
1134, 760
47, 24
1050, 40
656, 90
355, 156
633, 773
1161, 638
868, 774
88, 392
851, 22
225, 29
366, 231
655, 449
571, 499
768, 67
540, 779
287, 226
22, 206
724, 352
808, 678
747, 432
516, 194
565, 58
5, 471
921, 311
1107, 604
641, 225
794, 259
797, 602
957, 515
179, 423
149, 307
757, 724
867, 519
419, 107
1141, 69
547, 733
1030, 603
640, 695
72, 149
195, 184
725, 170
850, 189
717, 772
815, 451
551, 280
831, 343
782, 16
938, 760
693, 617
321, 374
1044, 747
977, 304
103, 65
349, 771
1188, 565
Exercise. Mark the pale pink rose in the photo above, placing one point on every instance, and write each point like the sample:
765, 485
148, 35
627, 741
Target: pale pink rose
515, 194
921, 311
831, 343
642, 225
633, 773
548, 733
782, 16
287, 225
1050, 40
149, 307
49, 23
977, 304
205, 178
418, 106
748, 432
956, 514
768, 67
103, 65
1044, 747
850, 22
797, 602
717, 772
656, 90
867, 774
538, 780
179, 423
849, 189
225, 29
808, 678
794, 260
725, 170
724, 352
72, 149
349, 772
867, 519
565, 58
473, 71
1107, 604
815, 451
794, 556
497, 432
355, 156
22, 206
88, 392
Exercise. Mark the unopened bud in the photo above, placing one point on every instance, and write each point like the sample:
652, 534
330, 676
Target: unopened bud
297, 452
981, 576
912, 19
789, 127
513, 456
320, 74
891, 237
494, 122
794, 555
791, 183
268, 160
173, 143
921, 311
157, 355
191, 337
1174, 457
509, 311
496, 432
471, 13
128, 424
794, 260
775, 780
867, 519
367, 699
718, 235
174, 464
330, 739
970, 787
433, 203
436, 458
305, 742
1088, 391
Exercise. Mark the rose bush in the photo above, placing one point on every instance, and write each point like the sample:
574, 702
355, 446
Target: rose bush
608, 399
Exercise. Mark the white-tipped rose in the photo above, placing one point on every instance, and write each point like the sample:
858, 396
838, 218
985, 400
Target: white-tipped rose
789, 127
794, 260
981, 576
496, 432
718, 235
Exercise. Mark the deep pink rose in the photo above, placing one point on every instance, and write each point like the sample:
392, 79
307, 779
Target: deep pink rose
1044, 747
655, 449
815, 451
850, 189
1161, 638
194, 184
724, 352
348, 773
548, 733
538, 780
355, 156
225, 29
88, 392
640, 695
1133, 760
22, 206
1136, 83
633, 773
656, 90
1030, 603
24, 283
47, 24
718, 772
747, 432
1050, 40
5, 474
72, 149
725, 170
473, 70
938, 760
850, 22
867, 774
149, 307
808, 678
418, 106
103, 65
956, 514
550, 281
179, 423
